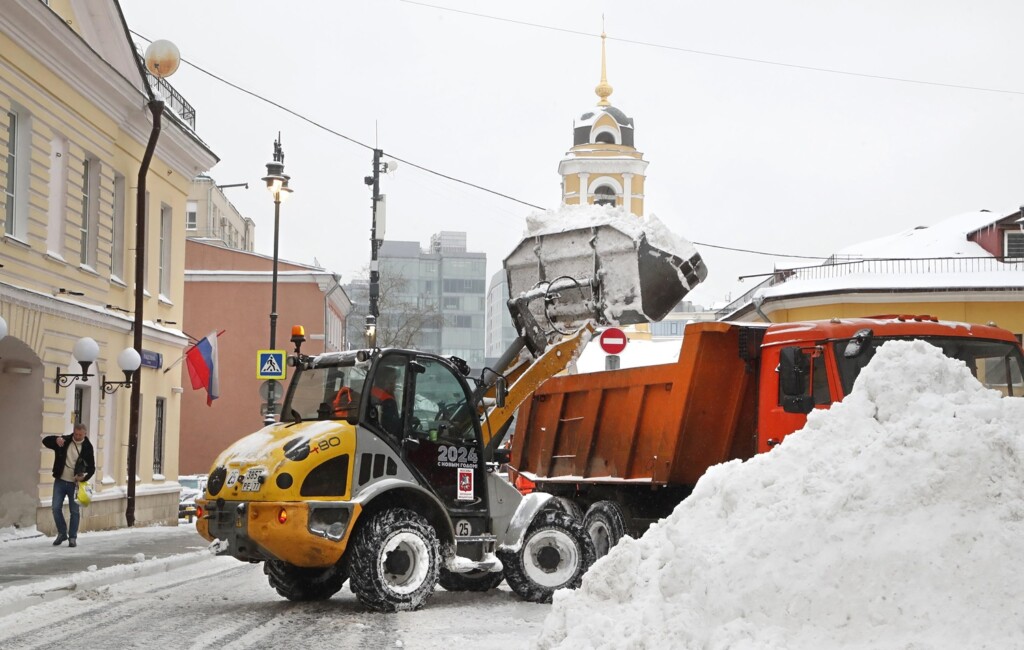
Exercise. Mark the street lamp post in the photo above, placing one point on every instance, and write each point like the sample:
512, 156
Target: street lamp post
162, 60
277, 183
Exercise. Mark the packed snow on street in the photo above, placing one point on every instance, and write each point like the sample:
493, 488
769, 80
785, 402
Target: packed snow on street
893, 520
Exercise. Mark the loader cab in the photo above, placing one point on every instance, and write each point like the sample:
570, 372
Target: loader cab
327, 387
437, 431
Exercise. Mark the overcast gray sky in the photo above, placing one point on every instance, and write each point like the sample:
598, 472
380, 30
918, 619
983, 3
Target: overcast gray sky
743, 154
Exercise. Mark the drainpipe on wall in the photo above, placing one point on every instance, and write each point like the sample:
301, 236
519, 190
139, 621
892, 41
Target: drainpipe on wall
757, 301
209, 208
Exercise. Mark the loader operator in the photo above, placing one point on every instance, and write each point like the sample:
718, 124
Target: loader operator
382, 395
345, 401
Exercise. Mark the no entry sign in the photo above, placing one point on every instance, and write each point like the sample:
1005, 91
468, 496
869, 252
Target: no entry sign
613, 340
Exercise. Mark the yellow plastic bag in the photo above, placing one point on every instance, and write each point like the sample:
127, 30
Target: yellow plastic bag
84, 493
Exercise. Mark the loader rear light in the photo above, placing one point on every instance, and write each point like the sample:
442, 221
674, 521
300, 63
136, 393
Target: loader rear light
282, 516
199, 512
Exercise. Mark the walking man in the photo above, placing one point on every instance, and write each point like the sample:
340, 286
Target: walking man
73, 462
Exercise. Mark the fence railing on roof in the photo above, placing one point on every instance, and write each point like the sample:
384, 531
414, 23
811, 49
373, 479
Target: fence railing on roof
174, 101
905, 266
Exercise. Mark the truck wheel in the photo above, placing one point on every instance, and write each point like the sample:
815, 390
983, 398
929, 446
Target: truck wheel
301, 583
555, 554
606, 525
394, 561
471, 581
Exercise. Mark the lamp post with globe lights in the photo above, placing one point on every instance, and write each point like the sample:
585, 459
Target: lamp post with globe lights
162, 60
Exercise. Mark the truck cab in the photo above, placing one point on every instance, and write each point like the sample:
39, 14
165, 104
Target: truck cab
810, 365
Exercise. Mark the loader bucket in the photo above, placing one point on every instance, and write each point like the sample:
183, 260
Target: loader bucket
583, 263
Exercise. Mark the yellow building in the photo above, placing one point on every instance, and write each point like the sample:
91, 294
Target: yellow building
74, 126
967, 268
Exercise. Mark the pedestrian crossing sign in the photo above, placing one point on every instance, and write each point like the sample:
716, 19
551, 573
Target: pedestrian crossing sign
270, 364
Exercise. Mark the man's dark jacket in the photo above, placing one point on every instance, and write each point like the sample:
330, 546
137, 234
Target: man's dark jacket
86, 461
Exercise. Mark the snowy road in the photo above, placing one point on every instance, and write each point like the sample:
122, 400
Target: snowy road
221, 603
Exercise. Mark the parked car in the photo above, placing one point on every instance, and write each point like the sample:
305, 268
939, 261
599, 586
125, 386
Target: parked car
192, 486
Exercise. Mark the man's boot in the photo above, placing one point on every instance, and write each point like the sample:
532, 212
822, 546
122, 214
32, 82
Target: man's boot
60, 539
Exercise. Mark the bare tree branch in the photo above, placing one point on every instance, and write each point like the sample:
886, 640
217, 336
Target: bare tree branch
404, 319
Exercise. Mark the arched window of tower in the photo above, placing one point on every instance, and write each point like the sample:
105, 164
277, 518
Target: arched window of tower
604, 195
605, 135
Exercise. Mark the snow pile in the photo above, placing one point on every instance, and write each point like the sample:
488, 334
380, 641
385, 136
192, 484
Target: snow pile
894, 520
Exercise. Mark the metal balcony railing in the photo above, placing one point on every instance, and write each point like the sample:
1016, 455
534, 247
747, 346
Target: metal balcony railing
833, 268
174, 101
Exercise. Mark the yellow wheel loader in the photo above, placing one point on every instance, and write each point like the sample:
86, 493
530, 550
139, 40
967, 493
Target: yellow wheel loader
382, 468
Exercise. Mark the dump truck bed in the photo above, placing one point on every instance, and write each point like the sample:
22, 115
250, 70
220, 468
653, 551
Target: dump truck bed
663, 424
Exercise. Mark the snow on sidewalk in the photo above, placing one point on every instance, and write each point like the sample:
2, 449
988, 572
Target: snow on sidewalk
102, 558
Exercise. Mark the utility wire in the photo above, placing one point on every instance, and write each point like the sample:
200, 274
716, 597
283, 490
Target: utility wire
342, 135
720, 55
420, 167
745, 250
452, 178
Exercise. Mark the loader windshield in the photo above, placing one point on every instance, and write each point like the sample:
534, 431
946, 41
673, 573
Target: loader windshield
327, 392
996, 364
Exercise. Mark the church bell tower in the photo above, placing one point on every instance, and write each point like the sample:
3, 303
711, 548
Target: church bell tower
603, 167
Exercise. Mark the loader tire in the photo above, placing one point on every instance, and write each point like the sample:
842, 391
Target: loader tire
471, 581
304, 584
555, 553
606, 524
395, 560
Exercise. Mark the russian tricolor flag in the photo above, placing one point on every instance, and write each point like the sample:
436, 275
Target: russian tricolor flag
201, 360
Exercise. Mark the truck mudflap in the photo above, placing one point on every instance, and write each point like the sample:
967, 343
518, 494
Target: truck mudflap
305, 534
601, 263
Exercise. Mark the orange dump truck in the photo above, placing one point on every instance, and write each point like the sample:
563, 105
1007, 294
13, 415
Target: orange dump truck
625, 446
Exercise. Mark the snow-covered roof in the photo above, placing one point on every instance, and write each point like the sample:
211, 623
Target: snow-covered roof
869, 276
922, 258
947, 238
